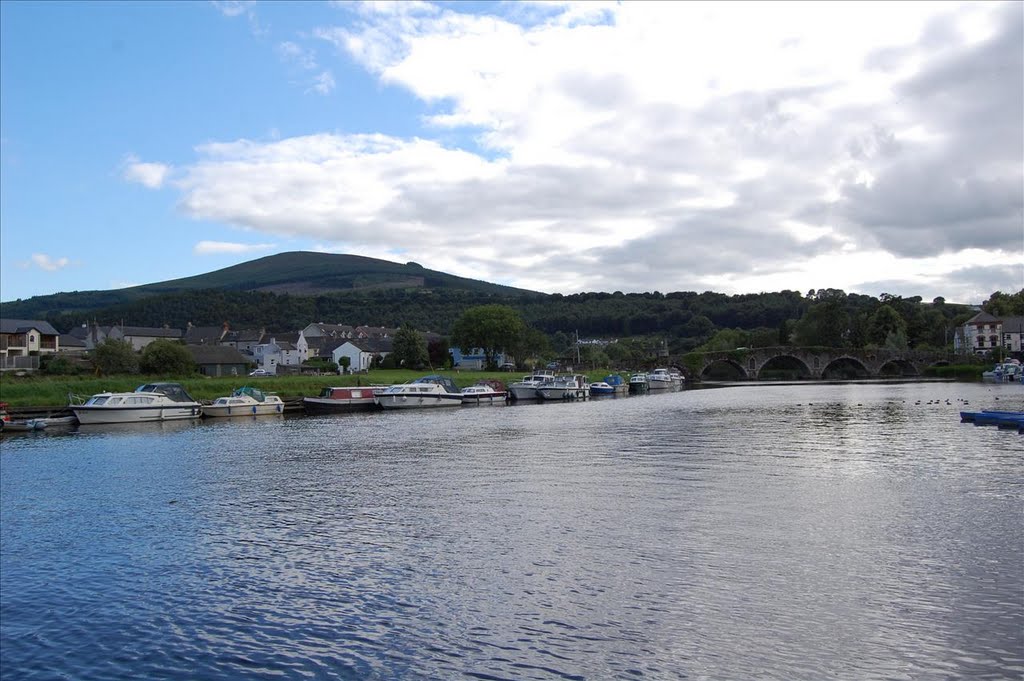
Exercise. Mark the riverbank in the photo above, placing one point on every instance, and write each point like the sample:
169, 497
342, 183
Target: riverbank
39, 392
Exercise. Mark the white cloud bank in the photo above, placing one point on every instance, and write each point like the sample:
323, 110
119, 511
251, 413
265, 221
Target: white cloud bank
736, 147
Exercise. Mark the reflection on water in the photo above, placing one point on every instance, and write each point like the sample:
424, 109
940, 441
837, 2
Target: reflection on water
853, 531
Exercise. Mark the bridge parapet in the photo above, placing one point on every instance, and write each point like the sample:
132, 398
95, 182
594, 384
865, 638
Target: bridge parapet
815, 361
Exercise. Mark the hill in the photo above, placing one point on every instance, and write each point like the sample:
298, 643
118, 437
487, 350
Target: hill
297, 273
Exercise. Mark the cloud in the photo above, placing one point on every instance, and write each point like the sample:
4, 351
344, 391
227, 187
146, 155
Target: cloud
222, 247
669, 146
237, 8
151, 175
323, 83
47, 263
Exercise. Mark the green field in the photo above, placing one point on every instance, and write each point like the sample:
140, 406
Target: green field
56, 391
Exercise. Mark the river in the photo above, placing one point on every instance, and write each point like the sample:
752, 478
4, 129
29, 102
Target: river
845, 531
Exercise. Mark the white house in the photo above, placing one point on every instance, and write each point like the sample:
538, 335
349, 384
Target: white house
361, 351
983, 332
275, 353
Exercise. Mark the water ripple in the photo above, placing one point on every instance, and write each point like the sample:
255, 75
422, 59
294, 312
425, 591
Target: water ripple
771, 532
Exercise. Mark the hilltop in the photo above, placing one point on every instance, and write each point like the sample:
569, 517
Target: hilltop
298, 273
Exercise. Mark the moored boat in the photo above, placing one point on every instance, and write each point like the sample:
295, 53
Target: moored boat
485, 392
526, 389
245, 401
638, 383
149, 402
428, 391
1010, 371
333, 400
612, 384
659, 379
564, 387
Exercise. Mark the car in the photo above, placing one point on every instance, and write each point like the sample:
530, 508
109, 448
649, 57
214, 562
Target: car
259, 372
508, 366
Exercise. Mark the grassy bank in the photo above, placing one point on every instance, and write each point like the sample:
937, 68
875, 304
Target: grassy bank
54, 391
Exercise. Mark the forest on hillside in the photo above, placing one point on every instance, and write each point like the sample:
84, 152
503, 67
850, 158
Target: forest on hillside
680, 321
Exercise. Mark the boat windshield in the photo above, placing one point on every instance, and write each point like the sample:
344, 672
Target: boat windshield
443, 381
254, 393
173, 391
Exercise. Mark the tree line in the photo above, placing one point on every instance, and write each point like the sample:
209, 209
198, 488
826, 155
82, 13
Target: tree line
678, 322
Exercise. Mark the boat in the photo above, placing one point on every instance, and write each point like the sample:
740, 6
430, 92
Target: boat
245, 401
612, 384
149, 402
526, 389
564, 387
1004, 372
428, 391
22, 425
334, 400
992, 417
638, 383
485, 392
659, 379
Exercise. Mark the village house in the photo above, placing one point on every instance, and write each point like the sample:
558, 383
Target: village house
219, 360
983, 332
244, 341
361, 352
22, 341
205, 335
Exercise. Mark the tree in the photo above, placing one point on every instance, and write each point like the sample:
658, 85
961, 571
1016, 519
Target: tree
166, 357
825, 323
492, 328
114, 356
408, 348
1002, 304
887, 327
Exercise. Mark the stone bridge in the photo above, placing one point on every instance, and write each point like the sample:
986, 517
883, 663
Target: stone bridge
811, 363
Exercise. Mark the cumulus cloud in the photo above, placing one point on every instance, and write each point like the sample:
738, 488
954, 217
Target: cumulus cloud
226, 247
636, 146
151, 175
47, 263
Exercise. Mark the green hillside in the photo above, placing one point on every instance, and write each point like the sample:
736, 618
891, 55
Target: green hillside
296, 273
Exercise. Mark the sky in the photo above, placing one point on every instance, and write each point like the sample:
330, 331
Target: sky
873, 147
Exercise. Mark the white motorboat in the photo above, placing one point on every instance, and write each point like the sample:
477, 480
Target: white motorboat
245, 401
149, 402
564, 387
484, 393
659, 379
428, 391
526, 389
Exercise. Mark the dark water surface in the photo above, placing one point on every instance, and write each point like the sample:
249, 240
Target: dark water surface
766, 532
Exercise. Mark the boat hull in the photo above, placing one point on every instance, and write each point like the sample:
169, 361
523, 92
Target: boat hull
99, 415
244, 410
326, 405
523, 392
427, 401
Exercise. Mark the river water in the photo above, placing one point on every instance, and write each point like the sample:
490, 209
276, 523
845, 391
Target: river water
846, 531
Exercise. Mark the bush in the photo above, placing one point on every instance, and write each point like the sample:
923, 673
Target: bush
168, 358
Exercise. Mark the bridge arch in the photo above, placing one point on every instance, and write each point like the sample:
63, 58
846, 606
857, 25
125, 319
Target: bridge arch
845, 366
898, 367
777, 366
720, 362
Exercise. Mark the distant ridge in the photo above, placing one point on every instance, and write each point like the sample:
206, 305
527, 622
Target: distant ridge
300, 273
